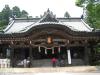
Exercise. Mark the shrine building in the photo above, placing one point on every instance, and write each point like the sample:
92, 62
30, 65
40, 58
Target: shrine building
68, 39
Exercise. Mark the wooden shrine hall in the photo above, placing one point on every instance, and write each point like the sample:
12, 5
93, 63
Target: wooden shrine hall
68, 39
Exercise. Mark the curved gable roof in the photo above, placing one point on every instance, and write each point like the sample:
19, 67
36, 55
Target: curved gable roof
23, 25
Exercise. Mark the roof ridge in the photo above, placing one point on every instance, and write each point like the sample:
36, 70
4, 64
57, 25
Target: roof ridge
48, 17
9, 26
87, 25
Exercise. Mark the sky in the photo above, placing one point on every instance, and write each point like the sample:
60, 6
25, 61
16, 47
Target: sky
38, 7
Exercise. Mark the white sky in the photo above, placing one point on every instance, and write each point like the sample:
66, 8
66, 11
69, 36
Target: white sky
37, 7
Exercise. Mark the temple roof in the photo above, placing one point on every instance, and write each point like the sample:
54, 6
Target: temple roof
22, 25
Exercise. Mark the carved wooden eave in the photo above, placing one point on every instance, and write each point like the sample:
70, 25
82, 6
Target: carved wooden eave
55, 27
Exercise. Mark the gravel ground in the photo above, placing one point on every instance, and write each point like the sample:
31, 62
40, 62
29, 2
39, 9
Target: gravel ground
63, 73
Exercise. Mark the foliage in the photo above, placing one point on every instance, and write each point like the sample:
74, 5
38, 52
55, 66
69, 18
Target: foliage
19, 14
16, 11
67, 15
97, 48
79, 2
6, 13
24, 13
93, 12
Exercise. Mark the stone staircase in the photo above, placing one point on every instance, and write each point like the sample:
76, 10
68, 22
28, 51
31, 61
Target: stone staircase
41, 63
47, 63
77, 62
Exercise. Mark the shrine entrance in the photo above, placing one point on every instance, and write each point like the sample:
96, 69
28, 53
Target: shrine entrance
48, 53
72, 56
42, 56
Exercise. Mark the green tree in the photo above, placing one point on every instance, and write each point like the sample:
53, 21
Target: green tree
3, 21
67, 15
24, 14
1, 17
4, 16
6, 13
93, 12
81, 2
16, 11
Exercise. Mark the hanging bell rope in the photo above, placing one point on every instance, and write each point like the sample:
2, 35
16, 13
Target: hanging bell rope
52, 50
59, 49
39, 49
12, 42
45, 51
30, 42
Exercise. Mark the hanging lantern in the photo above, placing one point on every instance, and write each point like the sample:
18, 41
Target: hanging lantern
59, 49
52, 50
49, 40
39, 49
45, 51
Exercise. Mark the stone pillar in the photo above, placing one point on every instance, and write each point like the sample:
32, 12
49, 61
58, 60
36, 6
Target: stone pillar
86, 55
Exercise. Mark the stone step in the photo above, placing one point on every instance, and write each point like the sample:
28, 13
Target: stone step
50, 69
47, 62
42, 63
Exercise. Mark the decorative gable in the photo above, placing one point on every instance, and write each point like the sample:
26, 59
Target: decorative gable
48, 17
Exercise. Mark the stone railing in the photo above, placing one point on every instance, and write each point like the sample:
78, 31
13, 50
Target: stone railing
4, 63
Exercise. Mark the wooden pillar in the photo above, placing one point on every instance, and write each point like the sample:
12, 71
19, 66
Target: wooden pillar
92, 54
86, 55
30, 55
8, 53
12, 57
